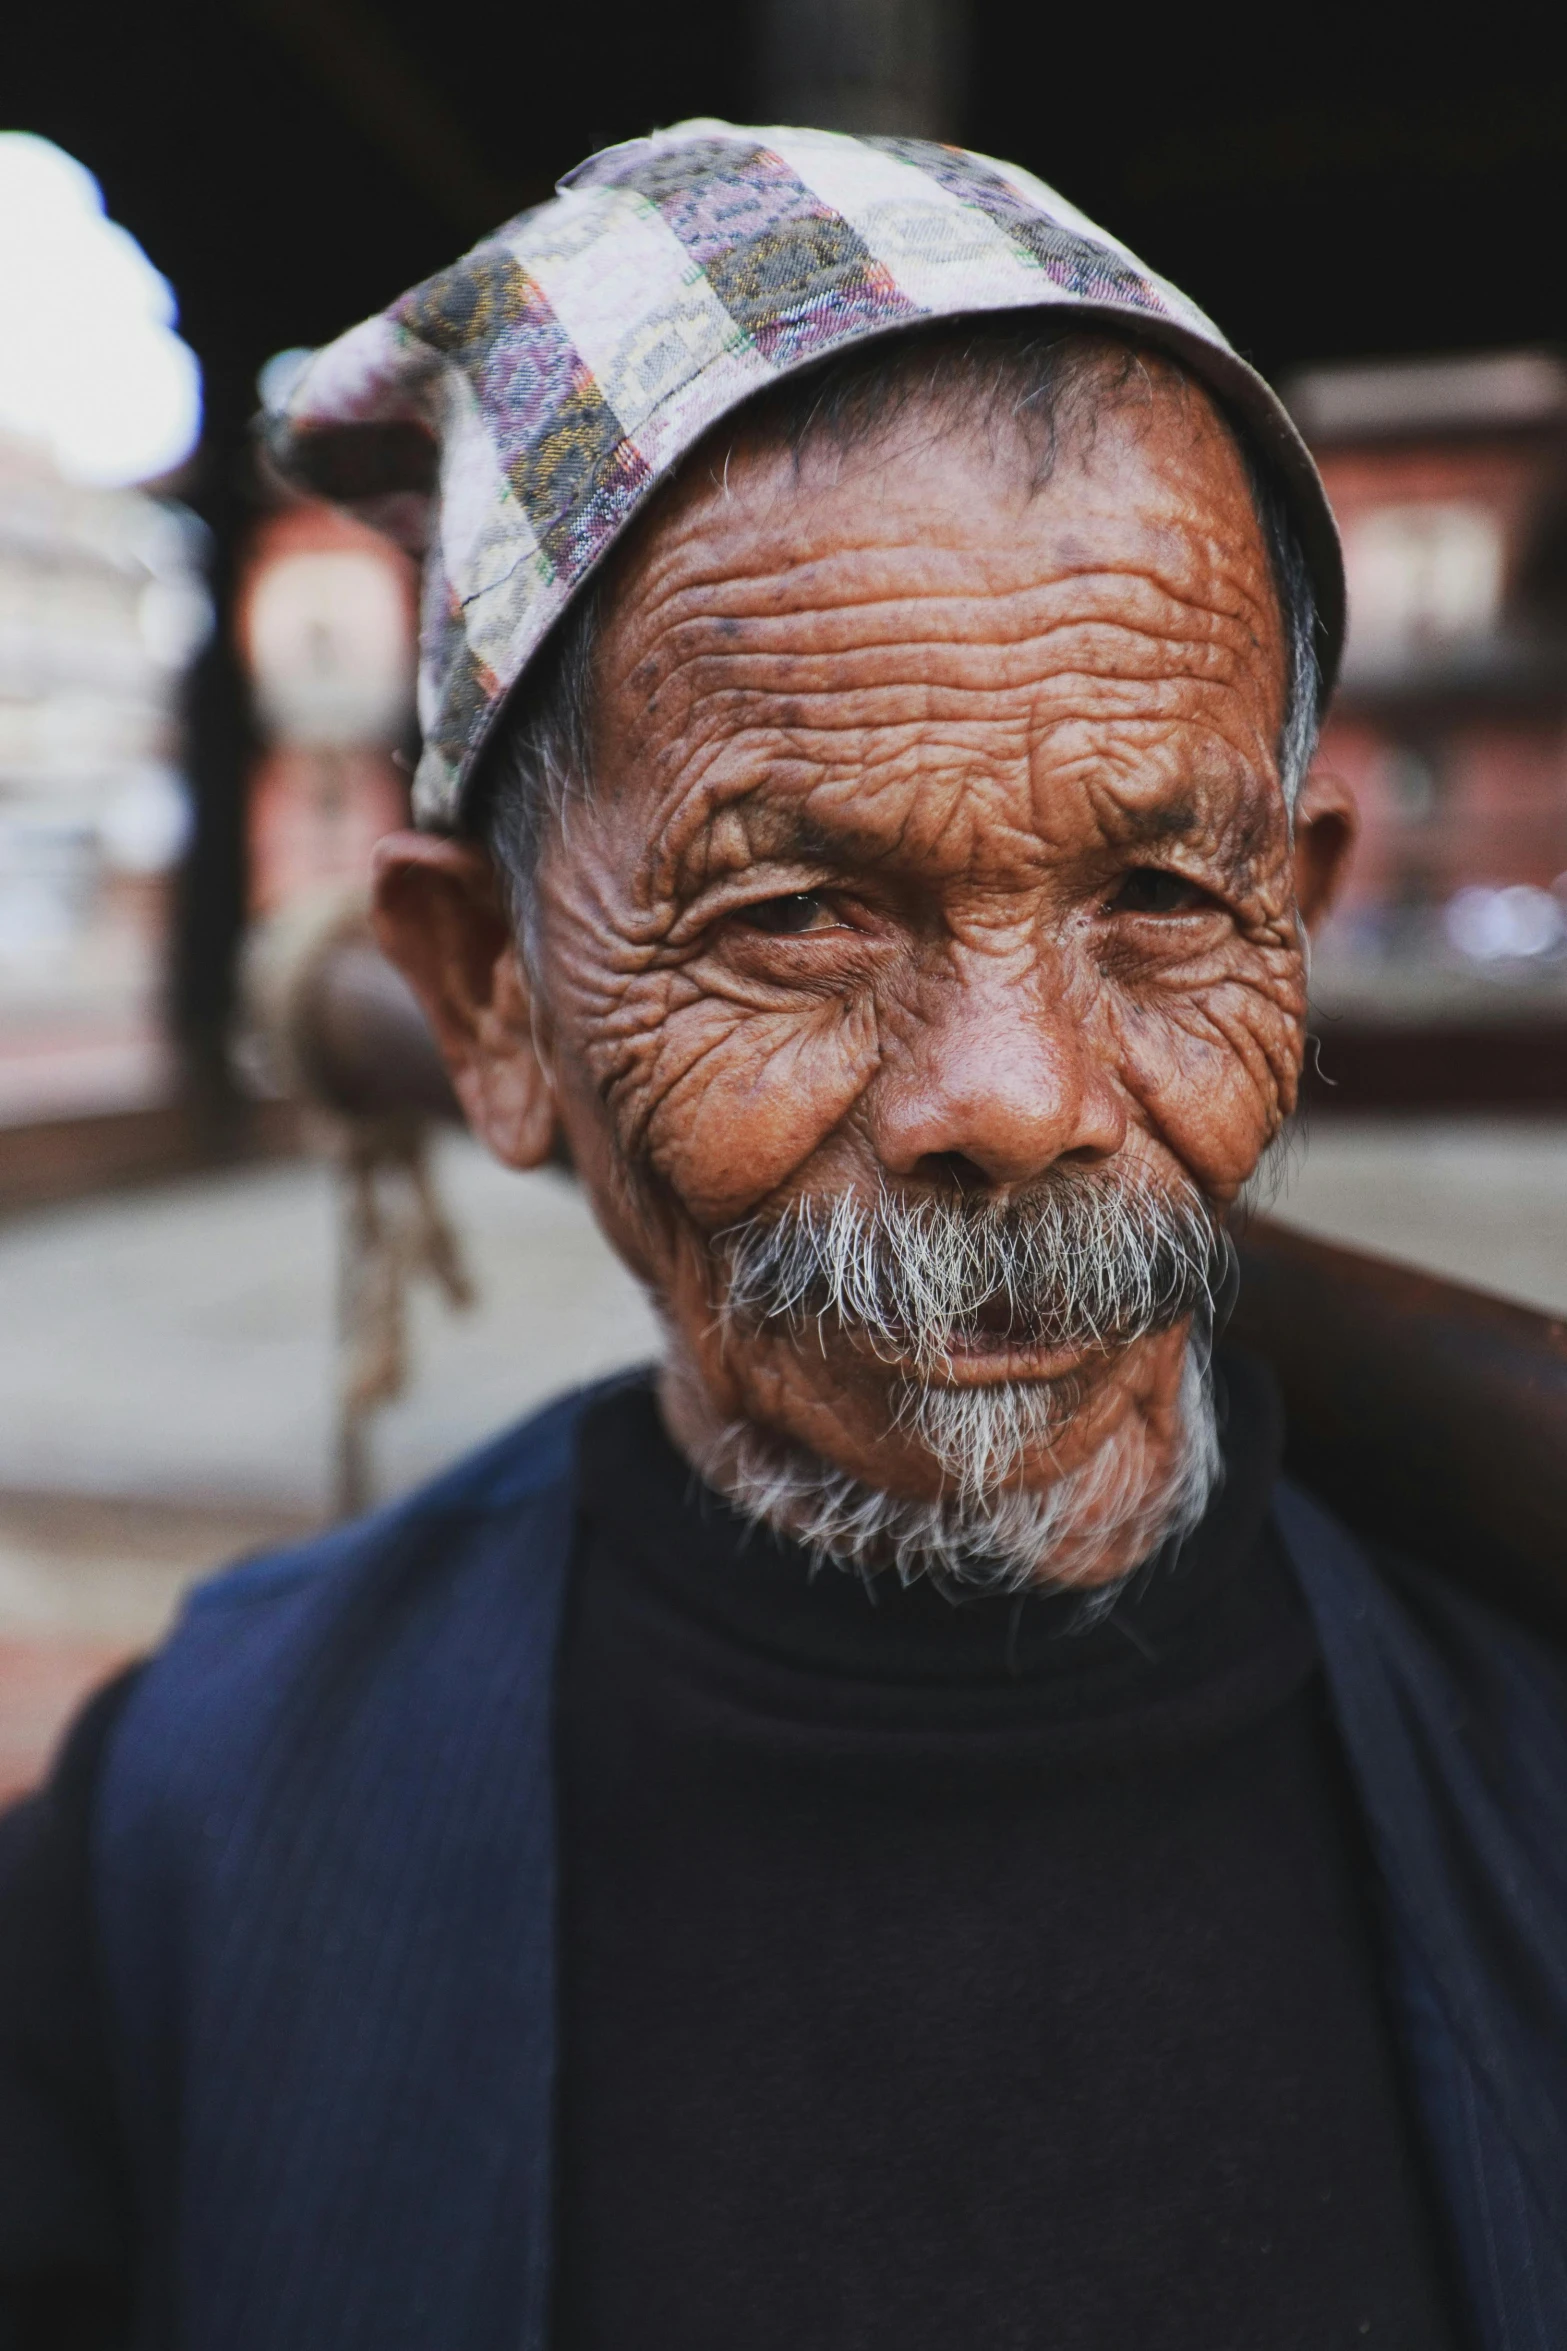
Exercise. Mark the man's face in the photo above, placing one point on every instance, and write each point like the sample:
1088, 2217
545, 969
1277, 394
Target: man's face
935, 845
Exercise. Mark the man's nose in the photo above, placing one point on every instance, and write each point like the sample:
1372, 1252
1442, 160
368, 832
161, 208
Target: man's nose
992, 1081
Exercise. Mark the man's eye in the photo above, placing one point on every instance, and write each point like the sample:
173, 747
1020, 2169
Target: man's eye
802, 910
1149, 889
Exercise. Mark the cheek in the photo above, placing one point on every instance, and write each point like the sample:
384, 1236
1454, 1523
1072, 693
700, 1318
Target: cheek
1216, 1073
727, 1102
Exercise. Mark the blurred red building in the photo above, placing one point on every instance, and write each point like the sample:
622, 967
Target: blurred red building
1449, 478
102, 606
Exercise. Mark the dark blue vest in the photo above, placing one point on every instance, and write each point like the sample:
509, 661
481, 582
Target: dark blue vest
326, 1875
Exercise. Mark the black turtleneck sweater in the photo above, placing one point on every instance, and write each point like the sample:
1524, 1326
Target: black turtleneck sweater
934, 1978
965, 1977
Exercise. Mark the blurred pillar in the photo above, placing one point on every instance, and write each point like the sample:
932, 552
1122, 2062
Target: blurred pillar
219, 747
325, 623
888, 66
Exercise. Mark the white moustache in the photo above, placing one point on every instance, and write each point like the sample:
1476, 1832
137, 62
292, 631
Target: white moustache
1084, 1260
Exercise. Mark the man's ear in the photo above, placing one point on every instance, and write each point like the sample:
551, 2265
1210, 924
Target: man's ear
440, 917
1327, 824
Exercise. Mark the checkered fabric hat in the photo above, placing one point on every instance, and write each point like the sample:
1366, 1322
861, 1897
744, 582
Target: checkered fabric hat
509, 416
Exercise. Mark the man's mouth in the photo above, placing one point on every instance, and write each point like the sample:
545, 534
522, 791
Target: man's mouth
959, 1295
983, 1359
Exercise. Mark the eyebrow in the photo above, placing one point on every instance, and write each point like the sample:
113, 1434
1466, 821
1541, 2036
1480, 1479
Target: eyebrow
1234, 841
790, 832
774, 832
1163, 821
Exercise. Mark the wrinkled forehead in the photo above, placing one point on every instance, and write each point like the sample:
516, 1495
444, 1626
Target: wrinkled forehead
908, 639
1081, 433
938, 537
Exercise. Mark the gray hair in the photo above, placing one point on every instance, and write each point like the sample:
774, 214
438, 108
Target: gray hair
1043, 377
1010, 1539
1088, 1259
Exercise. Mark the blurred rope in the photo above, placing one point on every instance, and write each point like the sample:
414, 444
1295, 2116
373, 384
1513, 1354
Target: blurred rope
332, 1025
392, 1230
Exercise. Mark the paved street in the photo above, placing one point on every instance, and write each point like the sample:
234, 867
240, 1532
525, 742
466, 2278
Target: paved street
166, 1356
1481, 1200
177, 1344
166, 1365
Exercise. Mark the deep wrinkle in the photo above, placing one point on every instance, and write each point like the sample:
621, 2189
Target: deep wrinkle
960, 713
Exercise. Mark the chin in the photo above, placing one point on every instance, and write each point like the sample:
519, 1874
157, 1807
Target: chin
997, 1510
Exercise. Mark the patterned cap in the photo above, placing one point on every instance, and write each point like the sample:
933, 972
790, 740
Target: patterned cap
510, 416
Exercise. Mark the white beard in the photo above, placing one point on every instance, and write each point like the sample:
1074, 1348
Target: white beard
1088, 1260
983, 1535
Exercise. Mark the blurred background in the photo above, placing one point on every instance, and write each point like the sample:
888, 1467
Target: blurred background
205, 687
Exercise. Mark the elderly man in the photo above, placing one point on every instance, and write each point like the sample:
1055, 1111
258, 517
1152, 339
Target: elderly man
894, 1829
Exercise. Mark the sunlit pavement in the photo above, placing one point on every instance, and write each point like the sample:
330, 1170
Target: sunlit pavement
166, 1358
1481, 1200
166, 1369
85, 1583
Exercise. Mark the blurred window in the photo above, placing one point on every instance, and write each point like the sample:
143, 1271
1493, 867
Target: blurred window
329, 648
103, 605
1423, 577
